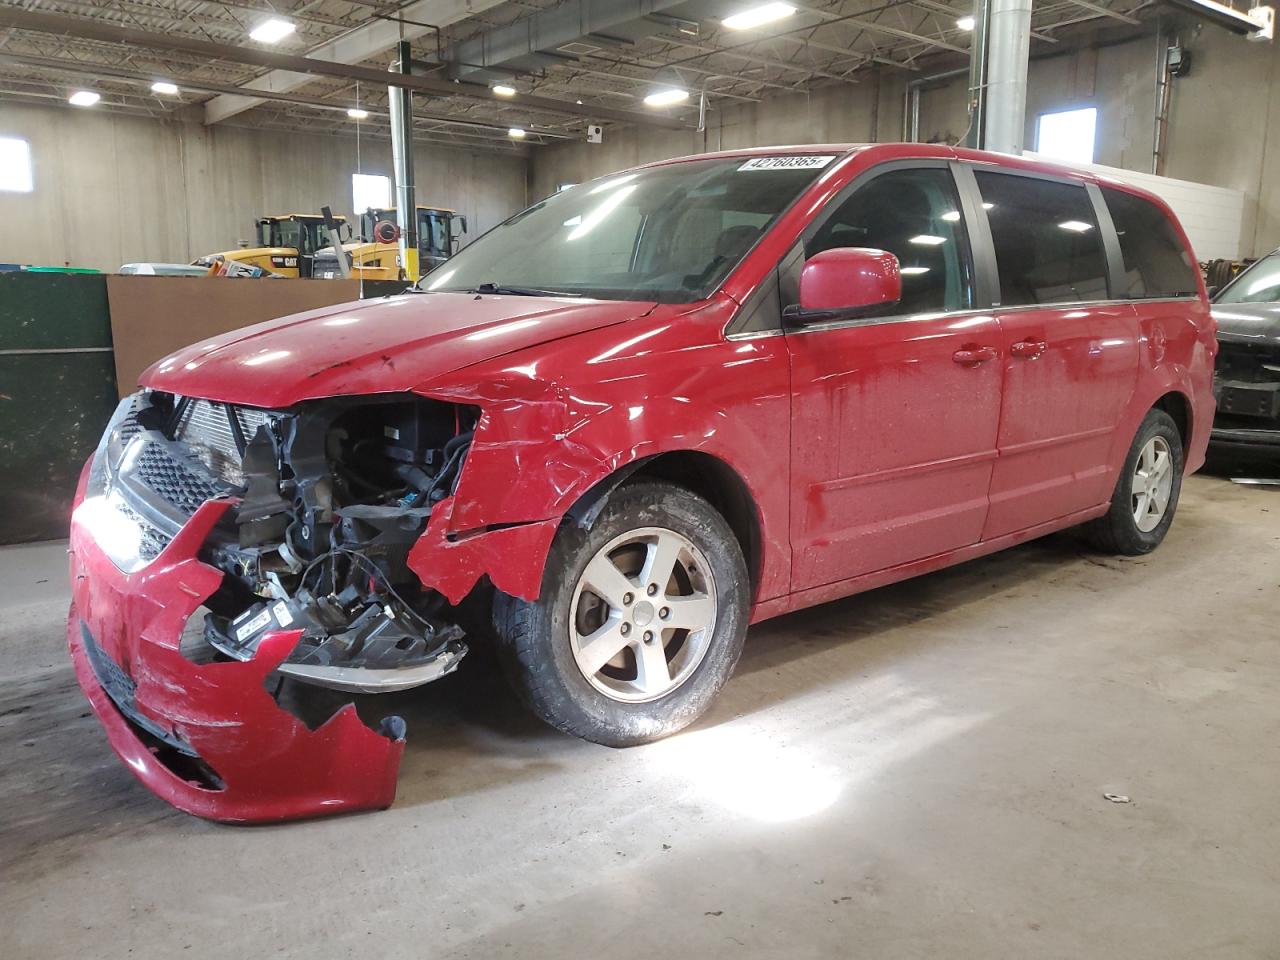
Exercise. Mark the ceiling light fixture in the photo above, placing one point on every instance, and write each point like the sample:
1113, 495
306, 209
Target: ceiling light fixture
516, 133
503, 89
758, 16
664, 98
355, 113
272, 31
1075, 226
966, 23
84, 98
165, 87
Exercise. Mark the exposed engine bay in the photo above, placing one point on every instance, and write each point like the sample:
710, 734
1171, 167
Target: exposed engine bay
332, 494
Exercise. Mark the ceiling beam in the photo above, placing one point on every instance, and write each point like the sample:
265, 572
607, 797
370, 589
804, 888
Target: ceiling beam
355, 46
1105, 11
83, 68
98, 30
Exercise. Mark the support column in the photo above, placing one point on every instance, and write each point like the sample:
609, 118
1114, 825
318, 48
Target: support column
400, 101
1009, 48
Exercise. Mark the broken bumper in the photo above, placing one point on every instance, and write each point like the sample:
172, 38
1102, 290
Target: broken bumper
208, 738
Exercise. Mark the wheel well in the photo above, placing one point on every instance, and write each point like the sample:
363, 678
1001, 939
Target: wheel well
1176, 406
719, 484
707, 476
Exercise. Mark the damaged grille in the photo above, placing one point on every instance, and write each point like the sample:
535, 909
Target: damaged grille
210, 429
178, 484
1248, 362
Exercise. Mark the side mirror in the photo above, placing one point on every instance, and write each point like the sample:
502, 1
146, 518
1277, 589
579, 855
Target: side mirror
844, 282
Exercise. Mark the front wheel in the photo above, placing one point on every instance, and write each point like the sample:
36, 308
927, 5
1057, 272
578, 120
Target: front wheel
1146, 494
640, 621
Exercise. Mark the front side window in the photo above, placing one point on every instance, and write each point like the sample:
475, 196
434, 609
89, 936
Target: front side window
1156, 263
1259, 284
915, 215
1047, 242
669, 233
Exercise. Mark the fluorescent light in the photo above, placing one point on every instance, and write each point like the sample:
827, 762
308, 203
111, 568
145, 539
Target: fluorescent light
966, 23
663, 98
927, 240
165, 87
355, 113
515, 132
1076, 226
758, 16
913, 271
272, 31
951, 216
84, 98
503, 90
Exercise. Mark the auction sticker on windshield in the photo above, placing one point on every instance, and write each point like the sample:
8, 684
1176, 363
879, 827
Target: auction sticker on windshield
786, 163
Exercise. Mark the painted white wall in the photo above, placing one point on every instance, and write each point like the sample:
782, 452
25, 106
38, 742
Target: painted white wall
111, 189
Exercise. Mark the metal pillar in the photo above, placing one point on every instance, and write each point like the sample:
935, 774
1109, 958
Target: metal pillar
1007, 54
400, 101
977, 74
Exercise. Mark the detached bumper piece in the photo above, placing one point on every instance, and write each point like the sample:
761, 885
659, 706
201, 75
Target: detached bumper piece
209, 738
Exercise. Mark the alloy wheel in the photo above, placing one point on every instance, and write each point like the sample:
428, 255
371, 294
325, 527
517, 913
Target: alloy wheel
643, 614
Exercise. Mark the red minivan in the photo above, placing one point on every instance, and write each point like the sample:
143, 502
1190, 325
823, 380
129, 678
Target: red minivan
614, 431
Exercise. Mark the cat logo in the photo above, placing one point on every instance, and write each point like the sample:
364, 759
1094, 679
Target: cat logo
284, 261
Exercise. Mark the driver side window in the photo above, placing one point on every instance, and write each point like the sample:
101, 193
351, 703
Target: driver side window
916, 216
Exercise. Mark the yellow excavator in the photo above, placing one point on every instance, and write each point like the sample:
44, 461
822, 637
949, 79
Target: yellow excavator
376, 256
287, 247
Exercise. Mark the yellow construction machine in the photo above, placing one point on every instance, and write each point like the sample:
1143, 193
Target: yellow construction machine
287, 247
376, 256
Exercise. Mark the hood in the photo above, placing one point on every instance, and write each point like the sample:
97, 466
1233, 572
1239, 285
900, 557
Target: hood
393, 344
1248, 322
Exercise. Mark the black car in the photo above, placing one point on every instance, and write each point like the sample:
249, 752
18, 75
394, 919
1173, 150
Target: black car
1247, 375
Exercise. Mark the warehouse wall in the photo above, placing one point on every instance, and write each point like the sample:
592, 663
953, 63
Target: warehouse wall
868, 110
110, 189
1230, 97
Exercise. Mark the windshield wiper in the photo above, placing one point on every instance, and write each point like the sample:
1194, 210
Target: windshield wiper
519, 291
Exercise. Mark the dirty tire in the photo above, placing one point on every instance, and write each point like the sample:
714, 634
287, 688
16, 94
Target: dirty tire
535, 638
1117, 530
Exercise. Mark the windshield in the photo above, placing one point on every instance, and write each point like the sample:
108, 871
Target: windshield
670, 233
1259, 284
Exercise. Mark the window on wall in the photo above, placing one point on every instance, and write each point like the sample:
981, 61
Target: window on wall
15, 165
1068, 134
370, 190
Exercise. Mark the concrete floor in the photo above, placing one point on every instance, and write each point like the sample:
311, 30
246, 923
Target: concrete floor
916, 772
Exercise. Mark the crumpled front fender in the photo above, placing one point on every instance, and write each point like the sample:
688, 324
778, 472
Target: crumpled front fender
267, 764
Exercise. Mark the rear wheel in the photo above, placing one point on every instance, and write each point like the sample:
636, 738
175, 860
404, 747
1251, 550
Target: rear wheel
640, 620
1146, 494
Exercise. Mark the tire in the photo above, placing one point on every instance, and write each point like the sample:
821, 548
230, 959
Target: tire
545, 645
1119, 529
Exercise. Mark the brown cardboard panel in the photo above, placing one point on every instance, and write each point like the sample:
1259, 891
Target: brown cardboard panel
153, 316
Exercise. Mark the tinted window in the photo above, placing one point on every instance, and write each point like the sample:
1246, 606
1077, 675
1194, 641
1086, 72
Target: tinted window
1156, 264
1048, 245
915, 215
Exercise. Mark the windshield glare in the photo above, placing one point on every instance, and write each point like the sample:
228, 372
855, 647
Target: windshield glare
1259, 284
670, 233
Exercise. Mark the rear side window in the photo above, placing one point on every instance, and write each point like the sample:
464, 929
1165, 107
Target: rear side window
1048, 245
1156, 264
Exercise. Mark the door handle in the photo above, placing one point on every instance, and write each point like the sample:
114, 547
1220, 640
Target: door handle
975, 355
1028, 349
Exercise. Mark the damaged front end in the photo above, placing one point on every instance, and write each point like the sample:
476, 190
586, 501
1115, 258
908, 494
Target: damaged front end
217, 550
